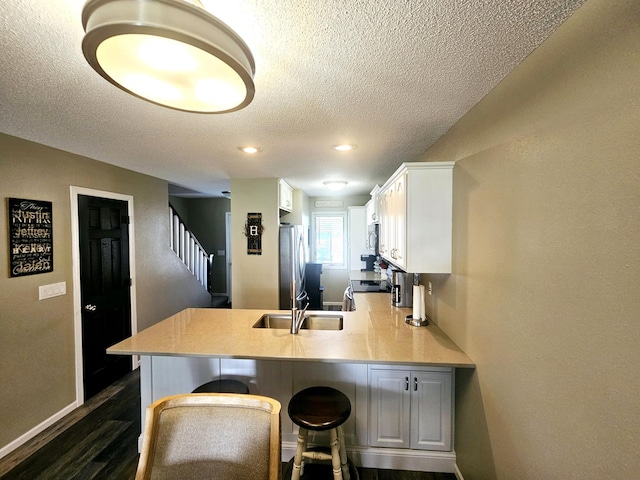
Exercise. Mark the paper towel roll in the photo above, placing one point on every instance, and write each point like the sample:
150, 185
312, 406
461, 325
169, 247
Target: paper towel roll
416, 302
423, 314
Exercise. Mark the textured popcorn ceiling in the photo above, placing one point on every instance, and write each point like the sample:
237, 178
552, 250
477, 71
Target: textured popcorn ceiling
389, 76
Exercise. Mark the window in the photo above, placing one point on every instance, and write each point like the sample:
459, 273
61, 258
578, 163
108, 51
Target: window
329, 239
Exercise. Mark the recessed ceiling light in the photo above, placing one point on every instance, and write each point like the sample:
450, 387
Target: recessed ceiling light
344, 147
249, 149
335, 185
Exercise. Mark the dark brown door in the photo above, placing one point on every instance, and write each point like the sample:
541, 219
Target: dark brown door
105, 289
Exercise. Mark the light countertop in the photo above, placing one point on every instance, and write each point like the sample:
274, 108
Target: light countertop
375, 333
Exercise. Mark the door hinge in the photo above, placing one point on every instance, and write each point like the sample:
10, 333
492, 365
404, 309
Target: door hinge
125, 219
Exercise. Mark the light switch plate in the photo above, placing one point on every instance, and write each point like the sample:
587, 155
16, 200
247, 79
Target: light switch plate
52, 290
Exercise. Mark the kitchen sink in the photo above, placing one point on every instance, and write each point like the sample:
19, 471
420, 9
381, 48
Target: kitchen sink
273, 320
310, 322
322, 322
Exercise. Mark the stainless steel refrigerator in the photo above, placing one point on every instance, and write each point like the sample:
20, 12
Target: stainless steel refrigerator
292, 266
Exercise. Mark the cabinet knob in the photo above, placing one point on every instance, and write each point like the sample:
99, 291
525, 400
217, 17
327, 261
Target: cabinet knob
415, 384
406, 383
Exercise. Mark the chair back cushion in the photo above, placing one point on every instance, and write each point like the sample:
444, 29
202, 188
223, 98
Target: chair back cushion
222, 442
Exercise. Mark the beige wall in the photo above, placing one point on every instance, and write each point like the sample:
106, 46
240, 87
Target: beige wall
254, 277
545, 295
37, 337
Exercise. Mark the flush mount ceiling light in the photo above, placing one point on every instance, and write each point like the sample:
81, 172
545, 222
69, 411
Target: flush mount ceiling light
335, 185
344, 148
249, 149
169, 52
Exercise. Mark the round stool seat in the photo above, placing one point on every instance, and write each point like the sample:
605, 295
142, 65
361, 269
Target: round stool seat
319, 408
222, 386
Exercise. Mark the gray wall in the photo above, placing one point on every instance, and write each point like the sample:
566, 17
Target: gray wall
37, 355
545, 291
181, 207
207, 222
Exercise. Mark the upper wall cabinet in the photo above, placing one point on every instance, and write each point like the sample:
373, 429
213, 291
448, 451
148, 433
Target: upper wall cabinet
372, 206
285, 196
415, 212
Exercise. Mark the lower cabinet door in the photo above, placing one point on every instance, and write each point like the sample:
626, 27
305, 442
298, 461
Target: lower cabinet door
410, 408
390, 397
431, 411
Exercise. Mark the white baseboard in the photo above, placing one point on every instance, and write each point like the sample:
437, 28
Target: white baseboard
24, 438
392, 458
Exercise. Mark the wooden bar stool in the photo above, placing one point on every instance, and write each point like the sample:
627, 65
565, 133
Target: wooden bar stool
222, 386
320, 409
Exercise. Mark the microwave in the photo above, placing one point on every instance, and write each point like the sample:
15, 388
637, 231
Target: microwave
373, 238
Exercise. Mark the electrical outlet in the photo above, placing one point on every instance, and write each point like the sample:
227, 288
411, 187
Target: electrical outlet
52, 290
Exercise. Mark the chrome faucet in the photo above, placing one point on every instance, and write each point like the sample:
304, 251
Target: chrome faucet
297, 316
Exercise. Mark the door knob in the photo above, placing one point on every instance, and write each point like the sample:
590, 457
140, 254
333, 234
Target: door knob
89, 307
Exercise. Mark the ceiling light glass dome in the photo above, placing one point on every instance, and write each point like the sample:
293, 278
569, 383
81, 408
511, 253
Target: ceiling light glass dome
169, 52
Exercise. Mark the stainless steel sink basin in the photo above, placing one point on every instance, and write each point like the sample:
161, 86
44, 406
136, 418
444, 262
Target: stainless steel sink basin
311, 322
322, 322
273, 320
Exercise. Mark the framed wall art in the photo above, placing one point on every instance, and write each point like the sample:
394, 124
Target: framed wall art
253, 230
30, 237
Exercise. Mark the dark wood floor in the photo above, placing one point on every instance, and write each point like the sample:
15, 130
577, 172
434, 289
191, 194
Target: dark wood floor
99, 441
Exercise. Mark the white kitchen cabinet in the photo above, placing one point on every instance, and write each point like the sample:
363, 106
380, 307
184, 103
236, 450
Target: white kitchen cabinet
396, 211
389, 427
410, 408
370, 212
372, 206
356, 236
415, 211
386, 222
392, 221
285, 196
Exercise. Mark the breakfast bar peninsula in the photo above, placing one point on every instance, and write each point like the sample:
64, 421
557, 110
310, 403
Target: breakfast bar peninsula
399, 378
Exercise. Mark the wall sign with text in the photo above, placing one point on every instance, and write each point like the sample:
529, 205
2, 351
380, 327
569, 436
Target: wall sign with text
253, 230
30, 237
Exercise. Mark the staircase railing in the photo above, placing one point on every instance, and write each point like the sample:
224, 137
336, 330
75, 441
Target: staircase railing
187, 247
